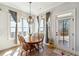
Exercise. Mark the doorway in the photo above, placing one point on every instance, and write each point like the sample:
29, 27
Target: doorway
65, 32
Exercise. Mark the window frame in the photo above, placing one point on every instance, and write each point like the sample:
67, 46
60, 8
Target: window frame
22, 27
9, 30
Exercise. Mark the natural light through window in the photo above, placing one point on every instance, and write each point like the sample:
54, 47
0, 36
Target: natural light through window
23, 28
12, 27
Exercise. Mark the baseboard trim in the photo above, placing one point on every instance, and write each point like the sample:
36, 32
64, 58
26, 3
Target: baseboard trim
10, 47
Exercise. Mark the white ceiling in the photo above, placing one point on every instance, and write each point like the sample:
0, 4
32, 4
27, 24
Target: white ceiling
35, 6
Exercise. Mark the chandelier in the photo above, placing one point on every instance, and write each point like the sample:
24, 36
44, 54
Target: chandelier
30, 18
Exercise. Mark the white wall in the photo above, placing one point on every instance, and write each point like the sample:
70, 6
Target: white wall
77, 30
5, 42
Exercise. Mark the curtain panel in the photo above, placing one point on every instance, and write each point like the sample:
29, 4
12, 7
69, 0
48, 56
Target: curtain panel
14, 16
47, 18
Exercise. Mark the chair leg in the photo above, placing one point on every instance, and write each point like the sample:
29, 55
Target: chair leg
21, 53
26, 53
42, 46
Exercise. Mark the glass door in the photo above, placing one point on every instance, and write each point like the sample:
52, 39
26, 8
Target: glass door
64, 32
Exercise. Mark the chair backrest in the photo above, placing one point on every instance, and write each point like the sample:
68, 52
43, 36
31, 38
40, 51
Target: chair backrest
21, 39
25, 46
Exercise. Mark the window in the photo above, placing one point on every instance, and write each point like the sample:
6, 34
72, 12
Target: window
23, 27
36, 26
12, 27
49, 23
41, 27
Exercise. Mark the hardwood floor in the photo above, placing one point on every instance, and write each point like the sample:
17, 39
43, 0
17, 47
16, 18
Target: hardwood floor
42, 52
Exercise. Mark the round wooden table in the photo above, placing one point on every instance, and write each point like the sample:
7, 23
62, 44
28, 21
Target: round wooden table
32, 41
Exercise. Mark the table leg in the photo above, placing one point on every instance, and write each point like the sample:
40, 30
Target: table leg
38, 46
30, 50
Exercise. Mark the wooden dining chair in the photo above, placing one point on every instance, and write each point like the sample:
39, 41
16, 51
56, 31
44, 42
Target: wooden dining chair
21, 39
25, 48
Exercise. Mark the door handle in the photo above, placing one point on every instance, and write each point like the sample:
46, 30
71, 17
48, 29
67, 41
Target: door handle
72, 34
56, 33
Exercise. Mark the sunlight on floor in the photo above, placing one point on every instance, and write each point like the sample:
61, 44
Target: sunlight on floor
8, 53
16, 52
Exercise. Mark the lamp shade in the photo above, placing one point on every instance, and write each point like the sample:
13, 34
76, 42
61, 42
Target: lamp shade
30, 20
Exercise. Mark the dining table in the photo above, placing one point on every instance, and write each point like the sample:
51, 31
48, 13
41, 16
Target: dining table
32, 40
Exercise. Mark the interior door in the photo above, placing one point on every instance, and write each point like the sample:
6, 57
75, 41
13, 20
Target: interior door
65, 32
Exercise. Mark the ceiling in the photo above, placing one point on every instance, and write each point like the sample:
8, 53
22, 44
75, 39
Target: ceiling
36, 7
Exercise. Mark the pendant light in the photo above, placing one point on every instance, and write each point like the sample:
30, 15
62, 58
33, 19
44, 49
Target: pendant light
30, 18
